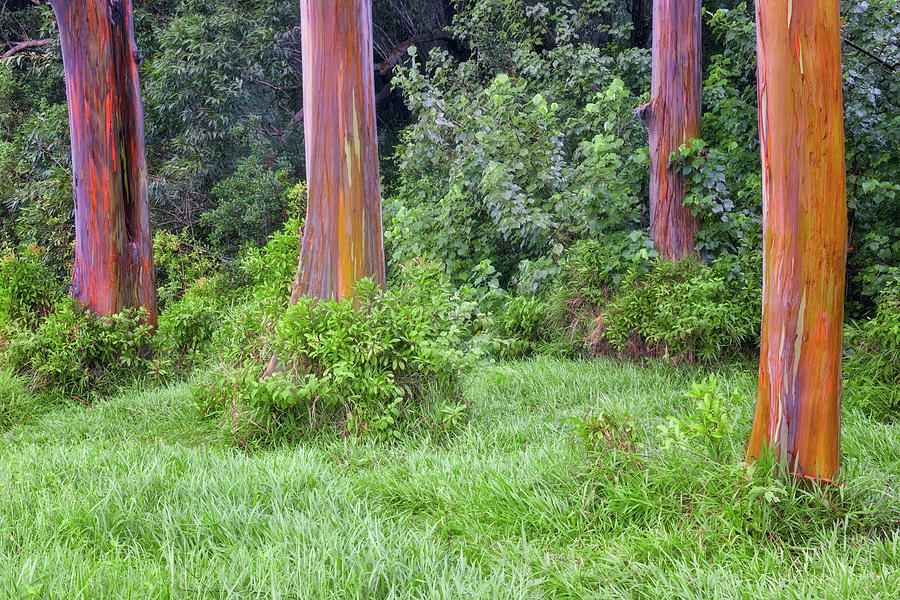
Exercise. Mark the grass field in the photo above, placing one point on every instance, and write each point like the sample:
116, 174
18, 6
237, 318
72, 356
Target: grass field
136, 498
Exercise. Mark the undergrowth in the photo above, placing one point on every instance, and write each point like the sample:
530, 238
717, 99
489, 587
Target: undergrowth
872, 358
373, 364
612, 300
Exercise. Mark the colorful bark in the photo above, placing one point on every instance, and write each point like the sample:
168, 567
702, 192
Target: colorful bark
342, 239
113, 254
672, 118
805, 235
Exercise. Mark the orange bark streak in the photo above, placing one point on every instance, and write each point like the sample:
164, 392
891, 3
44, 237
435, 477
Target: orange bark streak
805, 236
342, 240
113, 254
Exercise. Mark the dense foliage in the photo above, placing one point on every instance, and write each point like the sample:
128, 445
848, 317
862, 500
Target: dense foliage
511, 158
374, 364
517, 139
872, 362
531, 144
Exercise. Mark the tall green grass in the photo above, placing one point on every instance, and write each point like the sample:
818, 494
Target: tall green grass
137, 498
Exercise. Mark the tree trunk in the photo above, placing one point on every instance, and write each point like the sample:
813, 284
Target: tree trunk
672, 118
804, 235
342, 240
113, 253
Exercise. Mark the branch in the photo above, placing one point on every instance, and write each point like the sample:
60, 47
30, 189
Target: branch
24, 46
644, 112
883, 63
397, 53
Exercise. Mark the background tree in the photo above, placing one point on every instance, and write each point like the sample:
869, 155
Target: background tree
672, 118
342, 238
113, 255
805, 235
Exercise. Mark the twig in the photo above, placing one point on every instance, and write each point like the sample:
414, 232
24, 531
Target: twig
396, 54
883, 63
25, 45
85, 402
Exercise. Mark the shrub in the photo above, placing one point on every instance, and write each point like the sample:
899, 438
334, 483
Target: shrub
28, 288
681, 310
228, 398
374, 364
272, 268
250, 204
608, 444
74, 352
520, 326
710, 423
180, 261
617, 297
505, 162
872, 358
187, 325
524, 326
591, 269
590, 273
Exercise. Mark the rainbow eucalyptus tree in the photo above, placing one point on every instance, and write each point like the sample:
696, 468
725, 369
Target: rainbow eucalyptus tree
804, 235
342, 240
672, 118
113, 267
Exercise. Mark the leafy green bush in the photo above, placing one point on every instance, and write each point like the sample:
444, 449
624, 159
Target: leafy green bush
373, 364
187, 325
507, 160
592, 270
74, 352
709, 185
681, 310
28, 288
872, 358
710, 422
618, 297
250, 204
520, 326
524, 325
272, 268
609, 444
180, 261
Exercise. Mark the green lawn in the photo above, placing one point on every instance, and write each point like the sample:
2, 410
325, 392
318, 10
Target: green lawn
134, 498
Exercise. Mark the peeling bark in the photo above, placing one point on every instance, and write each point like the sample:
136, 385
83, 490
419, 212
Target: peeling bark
672, 118
342, 239
804, 235
113, 254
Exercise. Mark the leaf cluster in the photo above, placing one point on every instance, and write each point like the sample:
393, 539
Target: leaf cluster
372, 364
